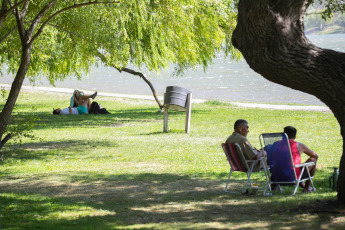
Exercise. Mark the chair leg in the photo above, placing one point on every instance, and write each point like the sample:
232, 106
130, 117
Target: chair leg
299, 179
268, 184
226, 187
297, 184
311, 179
249, 173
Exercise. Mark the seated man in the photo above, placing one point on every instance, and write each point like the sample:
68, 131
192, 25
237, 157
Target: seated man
83, 108
297, 149
239, 136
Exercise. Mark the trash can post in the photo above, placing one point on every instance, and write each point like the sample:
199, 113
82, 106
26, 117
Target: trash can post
188, 111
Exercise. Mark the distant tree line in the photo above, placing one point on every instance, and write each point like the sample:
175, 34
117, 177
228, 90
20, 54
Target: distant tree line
315, 22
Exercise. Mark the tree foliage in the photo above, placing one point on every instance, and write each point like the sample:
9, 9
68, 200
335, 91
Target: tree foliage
54, 39
147, 33
331, 6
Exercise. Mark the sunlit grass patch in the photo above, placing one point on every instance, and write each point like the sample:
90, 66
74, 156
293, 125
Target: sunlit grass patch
121, 171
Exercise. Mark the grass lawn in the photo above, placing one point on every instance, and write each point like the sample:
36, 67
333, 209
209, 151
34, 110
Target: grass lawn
120, 171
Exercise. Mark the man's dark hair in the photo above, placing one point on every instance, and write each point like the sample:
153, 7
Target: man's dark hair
240, 122
55, 112
290, 131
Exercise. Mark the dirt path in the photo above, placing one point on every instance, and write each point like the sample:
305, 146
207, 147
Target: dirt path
149, 97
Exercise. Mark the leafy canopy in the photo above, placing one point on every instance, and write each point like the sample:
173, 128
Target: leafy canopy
150, 33
330, 7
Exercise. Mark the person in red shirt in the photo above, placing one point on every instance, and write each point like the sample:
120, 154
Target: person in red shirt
297, 149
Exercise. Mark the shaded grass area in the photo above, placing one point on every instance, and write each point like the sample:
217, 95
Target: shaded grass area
120, 171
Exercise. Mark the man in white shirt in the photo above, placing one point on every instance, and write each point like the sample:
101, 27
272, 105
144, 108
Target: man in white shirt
67, 111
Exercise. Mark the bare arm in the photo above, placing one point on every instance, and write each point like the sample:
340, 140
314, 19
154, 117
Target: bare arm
75, 100
304, 149
70, 109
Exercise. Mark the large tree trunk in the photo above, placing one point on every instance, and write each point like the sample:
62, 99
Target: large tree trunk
270, 35
15, 89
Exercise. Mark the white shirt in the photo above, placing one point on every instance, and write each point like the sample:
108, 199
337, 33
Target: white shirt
66, 111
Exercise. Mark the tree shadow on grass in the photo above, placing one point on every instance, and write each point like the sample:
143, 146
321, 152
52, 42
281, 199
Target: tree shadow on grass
116, 118
149, 201
42, 150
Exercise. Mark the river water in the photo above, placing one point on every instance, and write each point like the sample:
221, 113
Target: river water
224, 80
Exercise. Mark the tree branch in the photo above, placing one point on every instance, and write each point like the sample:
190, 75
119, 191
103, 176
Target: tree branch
66, 9
20, 24
7, 138
4, 12
145, 79
3, 39
103, 58
38, 19
25, 7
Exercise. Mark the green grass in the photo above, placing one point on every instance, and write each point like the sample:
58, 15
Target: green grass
120, 171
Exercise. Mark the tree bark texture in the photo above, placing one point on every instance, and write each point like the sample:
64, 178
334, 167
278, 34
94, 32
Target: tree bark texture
15, 90
270, 35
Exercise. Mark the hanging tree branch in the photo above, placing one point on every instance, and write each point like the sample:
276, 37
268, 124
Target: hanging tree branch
27, 38
145, 79
127, 70
66, 9
6, 35
4, 12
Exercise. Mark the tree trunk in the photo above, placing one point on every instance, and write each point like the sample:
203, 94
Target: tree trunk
15, 89
270, 35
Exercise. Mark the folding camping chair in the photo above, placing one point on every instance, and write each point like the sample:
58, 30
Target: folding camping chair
238, 163
281, 165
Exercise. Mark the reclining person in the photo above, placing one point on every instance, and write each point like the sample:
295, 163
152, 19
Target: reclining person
75, 97
83, 108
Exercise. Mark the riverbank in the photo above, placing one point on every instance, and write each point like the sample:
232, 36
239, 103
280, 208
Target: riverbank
194, 100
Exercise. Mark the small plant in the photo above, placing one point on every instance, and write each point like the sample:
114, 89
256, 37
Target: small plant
21, 126
3, 93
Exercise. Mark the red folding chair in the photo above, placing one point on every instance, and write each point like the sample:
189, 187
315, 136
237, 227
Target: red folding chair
239, 163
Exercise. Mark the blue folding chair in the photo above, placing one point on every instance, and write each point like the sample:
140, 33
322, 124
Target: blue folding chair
281, 167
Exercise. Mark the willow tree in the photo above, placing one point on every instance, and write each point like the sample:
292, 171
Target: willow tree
270, 35
54, 39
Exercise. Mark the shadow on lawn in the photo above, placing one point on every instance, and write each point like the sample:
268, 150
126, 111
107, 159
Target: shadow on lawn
116, 118
42, 150
97, 201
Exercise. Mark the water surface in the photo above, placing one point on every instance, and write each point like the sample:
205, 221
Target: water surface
224, 80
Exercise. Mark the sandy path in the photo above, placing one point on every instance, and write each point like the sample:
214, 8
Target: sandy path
240, 104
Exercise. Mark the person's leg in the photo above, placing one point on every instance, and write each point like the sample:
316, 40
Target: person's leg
312, 170
87, 104
86, 99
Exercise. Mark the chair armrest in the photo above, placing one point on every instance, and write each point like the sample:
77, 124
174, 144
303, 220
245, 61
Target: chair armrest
257, 160
250, 161
305, 164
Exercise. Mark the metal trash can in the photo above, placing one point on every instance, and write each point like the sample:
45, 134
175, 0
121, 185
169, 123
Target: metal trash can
176, 98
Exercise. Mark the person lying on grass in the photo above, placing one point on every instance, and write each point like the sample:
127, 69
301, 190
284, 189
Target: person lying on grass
83, 108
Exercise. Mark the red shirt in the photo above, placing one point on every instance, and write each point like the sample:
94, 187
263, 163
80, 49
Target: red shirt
296, 156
